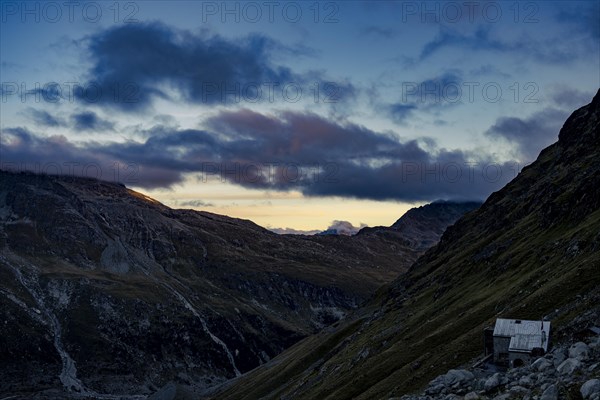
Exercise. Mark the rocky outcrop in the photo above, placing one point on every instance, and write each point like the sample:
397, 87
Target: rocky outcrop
422, 227
576, 374
427, 224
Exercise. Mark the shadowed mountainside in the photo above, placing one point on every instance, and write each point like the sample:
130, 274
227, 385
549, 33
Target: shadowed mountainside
117, 293
423, 226
532, 250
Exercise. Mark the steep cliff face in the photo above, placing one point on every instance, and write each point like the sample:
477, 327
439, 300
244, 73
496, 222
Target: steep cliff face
119, 294
531, 251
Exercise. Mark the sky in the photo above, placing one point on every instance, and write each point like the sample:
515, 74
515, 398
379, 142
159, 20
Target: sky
297, 115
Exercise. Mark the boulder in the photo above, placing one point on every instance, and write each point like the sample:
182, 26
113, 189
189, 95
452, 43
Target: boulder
471, 396
569, 366
435, 389
518, 390
525, 381
492, 382
580, 351
551, 393
558, 357
590, 388
541, 364
455, 376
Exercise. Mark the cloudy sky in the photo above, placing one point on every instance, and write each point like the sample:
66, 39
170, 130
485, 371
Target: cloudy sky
293, 114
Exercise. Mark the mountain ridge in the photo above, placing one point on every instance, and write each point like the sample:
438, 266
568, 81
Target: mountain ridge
108, 281
531, 251
425, 225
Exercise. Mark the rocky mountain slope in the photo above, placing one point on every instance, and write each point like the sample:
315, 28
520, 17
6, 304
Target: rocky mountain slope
423, 226
116, 293
531, 249
570, 370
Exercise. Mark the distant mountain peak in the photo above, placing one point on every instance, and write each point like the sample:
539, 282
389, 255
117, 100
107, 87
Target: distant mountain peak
427, 223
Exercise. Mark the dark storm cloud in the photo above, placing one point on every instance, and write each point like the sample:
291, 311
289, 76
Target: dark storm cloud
287, 151
529, 135
136, 63
441, 176
90, 121
304, 138
24, 150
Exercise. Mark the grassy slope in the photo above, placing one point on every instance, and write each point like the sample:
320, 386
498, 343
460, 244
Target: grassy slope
530, 249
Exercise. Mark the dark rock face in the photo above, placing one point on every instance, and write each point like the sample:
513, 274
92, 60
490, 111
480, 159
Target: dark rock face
119, 294
422, 227
425, 225
531, 251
